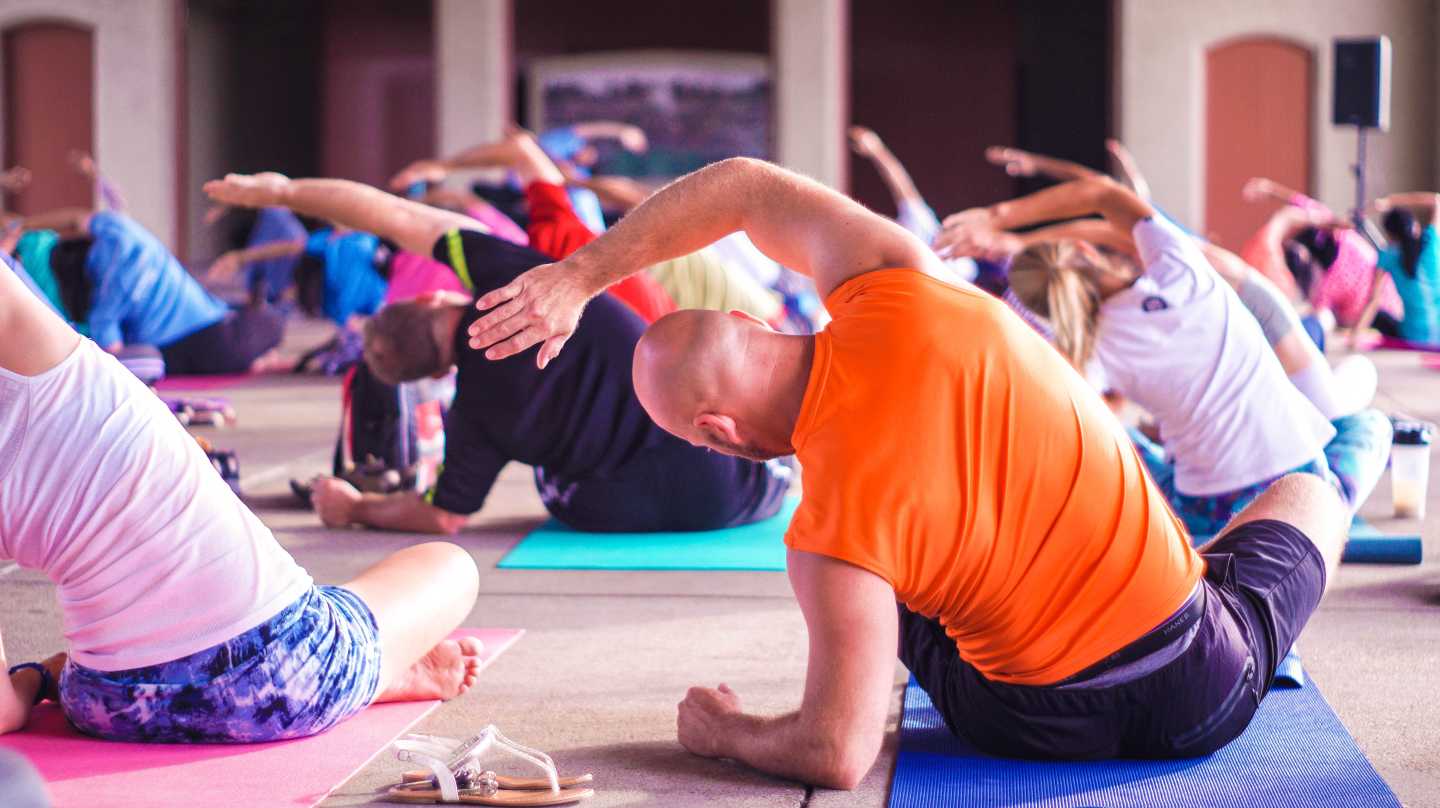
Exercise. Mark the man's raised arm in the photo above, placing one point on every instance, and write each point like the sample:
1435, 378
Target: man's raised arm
412, 225
794, 220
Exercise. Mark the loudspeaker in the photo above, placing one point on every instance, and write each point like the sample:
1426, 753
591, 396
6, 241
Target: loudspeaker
1362, 82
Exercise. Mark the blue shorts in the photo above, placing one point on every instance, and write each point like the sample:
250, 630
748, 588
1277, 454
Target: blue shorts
305, 670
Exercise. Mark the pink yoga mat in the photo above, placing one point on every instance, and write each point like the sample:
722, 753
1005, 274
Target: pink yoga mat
1393, 344
83, 771
200, 382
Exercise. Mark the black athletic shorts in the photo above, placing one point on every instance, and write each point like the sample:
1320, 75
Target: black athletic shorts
1262, 581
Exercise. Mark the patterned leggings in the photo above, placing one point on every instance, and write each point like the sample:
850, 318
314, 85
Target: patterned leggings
1353, 462
301, 672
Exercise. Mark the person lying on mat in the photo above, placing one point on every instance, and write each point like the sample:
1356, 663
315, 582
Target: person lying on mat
1174, 337
1048, 600
186, 620
1412, 260
600, 463
127, 288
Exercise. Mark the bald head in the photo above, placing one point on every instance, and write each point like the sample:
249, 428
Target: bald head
723, 381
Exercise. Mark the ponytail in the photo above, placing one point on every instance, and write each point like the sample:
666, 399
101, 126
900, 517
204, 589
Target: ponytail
1400, 225
1060, 283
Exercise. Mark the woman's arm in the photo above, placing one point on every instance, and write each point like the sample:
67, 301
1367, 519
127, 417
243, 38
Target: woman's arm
1021, 163
68, 222
867, 144
1128, 168
231, 262
1260, 188
1120, 206
1425, 204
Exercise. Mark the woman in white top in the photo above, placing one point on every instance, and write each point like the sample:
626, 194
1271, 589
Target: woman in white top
185, 618
1173, 336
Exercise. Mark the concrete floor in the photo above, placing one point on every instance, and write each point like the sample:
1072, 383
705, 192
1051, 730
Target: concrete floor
607, 655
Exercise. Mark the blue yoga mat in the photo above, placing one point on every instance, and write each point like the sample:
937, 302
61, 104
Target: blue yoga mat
758, 546
1295, 752
1369, 546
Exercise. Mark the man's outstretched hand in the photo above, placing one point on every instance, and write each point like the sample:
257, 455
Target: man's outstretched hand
541, 307
248, 190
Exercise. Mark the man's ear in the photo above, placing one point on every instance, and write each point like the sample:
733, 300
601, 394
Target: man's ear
745, 315
721, 426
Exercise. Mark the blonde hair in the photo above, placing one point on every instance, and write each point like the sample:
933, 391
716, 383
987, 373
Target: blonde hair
1062, 283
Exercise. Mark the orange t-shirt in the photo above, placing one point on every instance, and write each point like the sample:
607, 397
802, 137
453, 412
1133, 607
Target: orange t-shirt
948, 449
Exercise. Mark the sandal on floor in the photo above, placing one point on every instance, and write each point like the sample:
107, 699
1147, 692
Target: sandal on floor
457, 777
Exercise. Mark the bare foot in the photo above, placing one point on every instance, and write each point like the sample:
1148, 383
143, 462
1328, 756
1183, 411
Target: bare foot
450, 669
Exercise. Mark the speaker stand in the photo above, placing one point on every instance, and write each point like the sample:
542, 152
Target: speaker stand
1358, 214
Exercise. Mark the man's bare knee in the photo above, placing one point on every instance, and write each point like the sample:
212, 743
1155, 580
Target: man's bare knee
1310, 504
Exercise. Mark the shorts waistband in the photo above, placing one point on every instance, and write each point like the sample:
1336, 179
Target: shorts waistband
1157, 639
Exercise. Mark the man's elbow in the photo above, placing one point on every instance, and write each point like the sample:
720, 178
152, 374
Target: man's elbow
846, 763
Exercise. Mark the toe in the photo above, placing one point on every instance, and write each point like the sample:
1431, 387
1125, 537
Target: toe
470, 646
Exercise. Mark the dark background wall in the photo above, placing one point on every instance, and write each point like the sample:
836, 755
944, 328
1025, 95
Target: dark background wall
936, 80
940, 81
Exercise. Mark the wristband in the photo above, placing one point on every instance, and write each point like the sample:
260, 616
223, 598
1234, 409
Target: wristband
45, 678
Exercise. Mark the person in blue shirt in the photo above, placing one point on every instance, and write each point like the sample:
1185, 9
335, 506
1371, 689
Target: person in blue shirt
1412, 261
134, 291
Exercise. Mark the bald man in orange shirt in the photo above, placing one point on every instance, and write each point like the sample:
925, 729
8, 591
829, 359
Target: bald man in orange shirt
955, 465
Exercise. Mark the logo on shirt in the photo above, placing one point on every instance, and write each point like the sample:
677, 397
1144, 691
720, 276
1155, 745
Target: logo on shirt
1154, 303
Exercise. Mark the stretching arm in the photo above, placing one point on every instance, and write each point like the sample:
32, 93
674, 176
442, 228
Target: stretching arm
517, 152
1021, 163
108, 193
15, 179
867, 144
1119, 205
412, 225
1128, 168
632, 138
231, 262
794, 220
1425, 204
68, 222
1261, 188
835, 736
615, 192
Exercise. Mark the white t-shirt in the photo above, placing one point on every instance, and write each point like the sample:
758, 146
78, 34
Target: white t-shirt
1181, 344
104, 492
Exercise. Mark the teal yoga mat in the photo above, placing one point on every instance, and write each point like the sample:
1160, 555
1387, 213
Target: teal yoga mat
759, 546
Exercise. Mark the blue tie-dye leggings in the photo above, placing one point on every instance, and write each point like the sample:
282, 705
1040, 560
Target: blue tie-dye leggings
1353, 462
310, 667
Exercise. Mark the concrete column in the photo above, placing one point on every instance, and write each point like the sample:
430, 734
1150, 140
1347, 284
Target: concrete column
473, 46
809, 51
